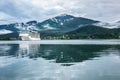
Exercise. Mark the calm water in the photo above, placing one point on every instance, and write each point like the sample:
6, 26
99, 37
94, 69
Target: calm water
59, 62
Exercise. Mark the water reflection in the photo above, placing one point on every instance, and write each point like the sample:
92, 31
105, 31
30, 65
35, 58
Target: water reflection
8, 50
57, 53
59, 62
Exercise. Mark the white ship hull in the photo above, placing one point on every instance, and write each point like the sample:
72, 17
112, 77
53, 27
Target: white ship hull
24, 38
34, 38
29, 36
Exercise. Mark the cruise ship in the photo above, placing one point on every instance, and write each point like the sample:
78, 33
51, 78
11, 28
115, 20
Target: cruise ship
32, 35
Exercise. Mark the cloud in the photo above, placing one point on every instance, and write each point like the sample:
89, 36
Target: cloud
5, 18
103, 10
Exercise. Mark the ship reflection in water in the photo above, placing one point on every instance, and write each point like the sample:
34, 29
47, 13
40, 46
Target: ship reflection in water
59, 62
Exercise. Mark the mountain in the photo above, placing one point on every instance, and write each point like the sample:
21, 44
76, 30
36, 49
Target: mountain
64, 26
94, 32
87, 32
55, 23
31, 23
9, 30
64, 23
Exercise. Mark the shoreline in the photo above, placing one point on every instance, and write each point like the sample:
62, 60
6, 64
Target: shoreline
71, 42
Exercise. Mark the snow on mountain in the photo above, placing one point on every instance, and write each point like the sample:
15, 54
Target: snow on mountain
61, 19
47, 26
20, 26
31, 25
4, 31
54, 20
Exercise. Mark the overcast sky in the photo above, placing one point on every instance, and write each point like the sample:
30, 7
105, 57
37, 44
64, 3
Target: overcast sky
24, 10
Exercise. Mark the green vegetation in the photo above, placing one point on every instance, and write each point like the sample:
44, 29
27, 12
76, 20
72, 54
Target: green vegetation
9, 38
5, 38
87, 32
